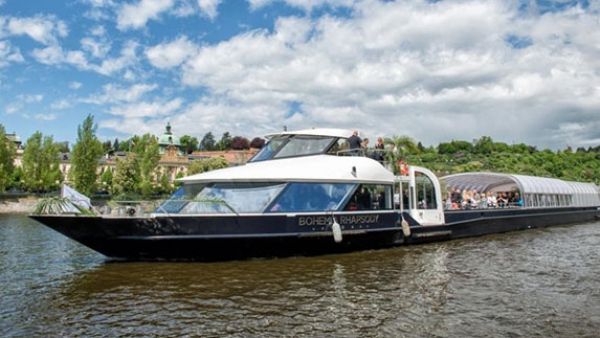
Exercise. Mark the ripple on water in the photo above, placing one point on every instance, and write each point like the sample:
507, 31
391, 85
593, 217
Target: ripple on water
523, 284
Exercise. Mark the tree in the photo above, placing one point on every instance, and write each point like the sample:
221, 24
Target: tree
484, 145
147, 151
86, 152
189, 144
106, 179
7, 157
225, 141
257, 143
127, 175
207, 164
115, 146
41, 171
240, 143
63, 147
208, 142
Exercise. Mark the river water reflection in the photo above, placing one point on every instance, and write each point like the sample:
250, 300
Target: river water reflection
539, 283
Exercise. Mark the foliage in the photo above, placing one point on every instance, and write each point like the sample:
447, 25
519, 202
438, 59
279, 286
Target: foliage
257, 143
208, 142
41, 171
86, 152
127, 175
7, 157
106, 179
189, 144
225, 141
207, 164
240, 143
58, 205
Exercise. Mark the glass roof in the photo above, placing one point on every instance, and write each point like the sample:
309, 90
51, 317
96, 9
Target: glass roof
484, 182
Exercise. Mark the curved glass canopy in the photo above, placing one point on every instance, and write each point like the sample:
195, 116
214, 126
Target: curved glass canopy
535, 191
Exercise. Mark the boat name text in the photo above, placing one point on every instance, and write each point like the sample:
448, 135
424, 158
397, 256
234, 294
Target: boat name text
343, 220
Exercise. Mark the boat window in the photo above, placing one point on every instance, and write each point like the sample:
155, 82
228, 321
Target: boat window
339, 148
304, 145
180, 198
371, 197
230, 197
425, 192
269, 149
299, 197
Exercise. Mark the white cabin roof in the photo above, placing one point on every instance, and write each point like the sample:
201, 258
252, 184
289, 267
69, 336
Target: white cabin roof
320, 168
332, 132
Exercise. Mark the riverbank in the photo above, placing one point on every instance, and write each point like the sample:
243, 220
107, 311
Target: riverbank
23, 205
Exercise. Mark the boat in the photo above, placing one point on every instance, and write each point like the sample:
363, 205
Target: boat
305, 193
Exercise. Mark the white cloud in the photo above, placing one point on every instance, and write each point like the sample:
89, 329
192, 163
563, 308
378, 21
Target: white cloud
9, 54
45, 117
307, 5
135, 16
43, 29
12, 108
171, 54
148, 109
75, 85
30, 98
97, 48
115, 94
422, 67
209, 7
61, 104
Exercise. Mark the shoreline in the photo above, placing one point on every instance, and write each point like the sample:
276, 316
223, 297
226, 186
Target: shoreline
17, 205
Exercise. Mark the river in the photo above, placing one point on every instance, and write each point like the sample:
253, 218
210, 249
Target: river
535, 283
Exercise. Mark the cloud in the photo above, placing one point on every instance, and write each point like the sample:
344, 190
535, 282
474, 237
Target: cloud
45, 117
113, 93
135, 16
148, 109
75, 85
9, 54
55, 55
209, 7
61, 104
171, 54
302, 4
433, 70
30, 98
44, 29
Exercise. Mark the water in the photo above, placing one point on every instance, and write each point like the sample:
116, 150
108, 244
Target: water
538, 283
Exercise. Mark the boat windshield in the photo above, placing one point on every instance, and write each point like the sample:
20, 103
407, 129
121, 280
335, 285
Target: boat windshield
221, 197
297, 145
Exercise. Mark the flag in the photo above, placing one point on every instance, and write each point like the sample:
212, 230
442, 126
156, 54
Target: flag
131, 143
75, 197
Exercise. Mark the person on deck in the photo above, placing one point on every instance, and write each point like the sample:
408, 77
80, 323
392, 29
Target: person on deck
355, 143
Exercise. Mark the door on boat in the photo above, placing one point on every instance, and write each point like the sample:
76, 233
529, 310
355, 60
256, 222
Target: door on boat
424, 196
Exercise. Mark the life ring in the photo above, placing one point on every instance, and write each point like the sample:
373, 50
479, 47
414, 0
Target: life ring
131, 211
403, 167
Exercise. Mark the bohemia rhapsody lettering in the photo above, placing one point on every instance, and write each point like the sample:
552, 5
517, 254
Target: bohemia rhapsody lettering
343, 220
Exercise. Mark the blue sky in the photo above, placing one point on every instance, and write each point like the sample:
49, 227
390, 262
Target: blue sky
518, 71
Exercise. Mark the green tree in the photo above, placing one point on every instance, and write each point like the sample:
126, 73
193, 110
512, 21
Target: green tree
189, 144
86, 152
207, 164
106, 179
208, 142
484, 145
7, 157
147, 151
127, 175
41, 171
225, 141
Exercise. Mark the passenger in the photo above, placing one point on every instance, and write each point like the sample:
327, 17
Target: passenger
379, 150
456, 196
492, 201
483, 202
516, 200
363, 199
465, 199
355, 143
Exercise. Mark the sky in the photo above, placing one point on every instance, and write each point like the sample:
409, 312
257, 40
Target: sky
519, 71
